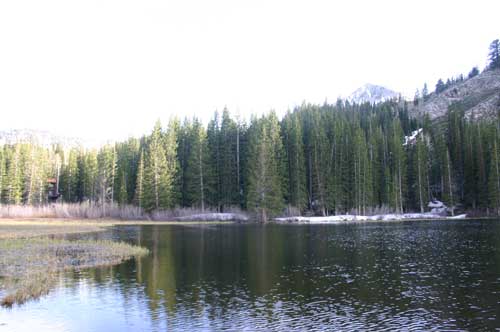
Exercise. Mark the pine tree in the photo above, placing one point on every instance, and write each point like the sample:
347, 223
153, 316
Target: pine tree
494, 174
197, 167
229, 187
494, 54
398, 165
425, 92
122, 193
294, 147
69, 176
474, 72
14, 176
159, 171
440, 86
36, 174
139, 188
170, 144
265, 195
421, 170
127, 154
89, 177
213, 137
317, 160
2, 173
106, 174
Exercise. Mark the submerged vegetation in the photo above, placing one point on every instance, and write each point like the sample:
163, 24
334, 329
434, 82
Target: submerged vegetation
29, 267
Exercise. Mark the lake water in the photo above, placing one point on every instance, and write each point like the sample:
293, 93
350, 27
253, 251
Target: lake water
439, 275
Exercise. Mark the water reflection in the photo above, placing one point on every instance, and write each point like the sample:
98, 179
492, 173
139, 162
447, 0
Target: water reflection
418, 275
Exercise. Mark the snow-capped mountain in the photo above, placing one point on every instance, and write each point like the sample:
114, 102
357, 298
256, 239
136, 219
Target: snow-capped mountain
39, 137
372, 93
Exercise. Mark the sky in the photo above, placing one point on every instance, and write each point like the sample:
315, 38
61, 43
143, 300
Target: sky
108, 69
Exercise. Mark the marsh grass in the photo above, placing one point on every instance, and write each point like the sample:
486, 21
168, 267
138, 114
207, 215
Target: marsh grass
84, 210
29, 266
109, 211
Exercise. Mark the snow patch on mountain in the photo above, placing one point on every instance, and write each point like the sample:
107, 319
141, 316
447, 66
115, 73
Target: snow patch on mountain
410, 140
372, 94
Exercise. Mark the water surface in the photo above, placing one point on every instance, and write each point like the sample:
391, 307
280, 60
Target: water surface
432, 275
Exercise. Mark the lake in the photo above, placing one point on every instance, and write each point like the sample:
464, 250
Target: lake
414, 275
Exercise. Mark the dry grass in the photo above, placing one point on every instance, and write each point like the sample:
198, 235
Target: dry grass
29, 266
110, 211
10, 229
83, 210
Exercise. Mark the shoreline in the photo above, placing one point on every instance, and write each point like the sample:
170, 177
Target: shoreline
358, 222
62, 226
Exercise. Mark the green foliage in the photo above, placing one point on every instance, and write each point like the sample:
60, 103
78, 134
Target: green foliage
265, 196
440, 86
159, 170
320, 159
139, 188
494, 54
474, 72
296, 193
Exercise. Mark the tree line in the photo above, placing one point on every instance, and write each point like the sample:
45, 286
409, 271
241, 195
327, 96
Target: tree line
319, 159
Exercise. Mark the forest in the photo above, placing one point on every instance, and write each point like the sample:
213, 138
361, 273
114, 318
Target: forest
318, 159
327, 159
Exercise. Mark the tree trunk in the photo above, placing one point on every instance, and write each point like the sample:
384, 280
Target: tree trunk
449, 182
238, 162
202, 190
419, 182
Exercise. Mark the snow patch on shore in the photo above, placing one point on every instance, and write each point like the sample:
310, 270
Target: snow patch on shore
214, 217
380, 217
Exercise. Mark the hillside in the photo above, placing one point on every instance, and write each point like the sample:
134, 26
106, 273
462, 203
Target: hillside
478, 97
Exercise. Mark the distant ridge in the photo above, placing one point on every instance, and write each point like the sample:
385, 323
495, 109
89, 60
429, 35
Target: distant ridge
39, 137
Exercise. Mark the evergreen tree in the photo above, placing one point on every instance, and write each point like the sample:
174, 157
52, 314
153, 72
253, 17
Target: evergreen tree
159, 170
398, 166
421, 172
264, 196
69, 176
139, 188
440, 86
494, 175
2, 173
229, 187
197, 168
122, 193
14, 182
474, 72
213, 137
294, 146
106, 174
425, 92
494, 54
89, 176
317, 160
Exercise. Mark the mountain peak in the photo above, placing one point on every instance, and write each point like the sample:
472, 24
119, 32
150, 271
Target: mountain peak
372, 93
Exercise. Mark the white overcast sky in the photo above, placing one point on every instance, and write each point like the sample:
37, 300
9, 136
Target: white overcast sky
108, 69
